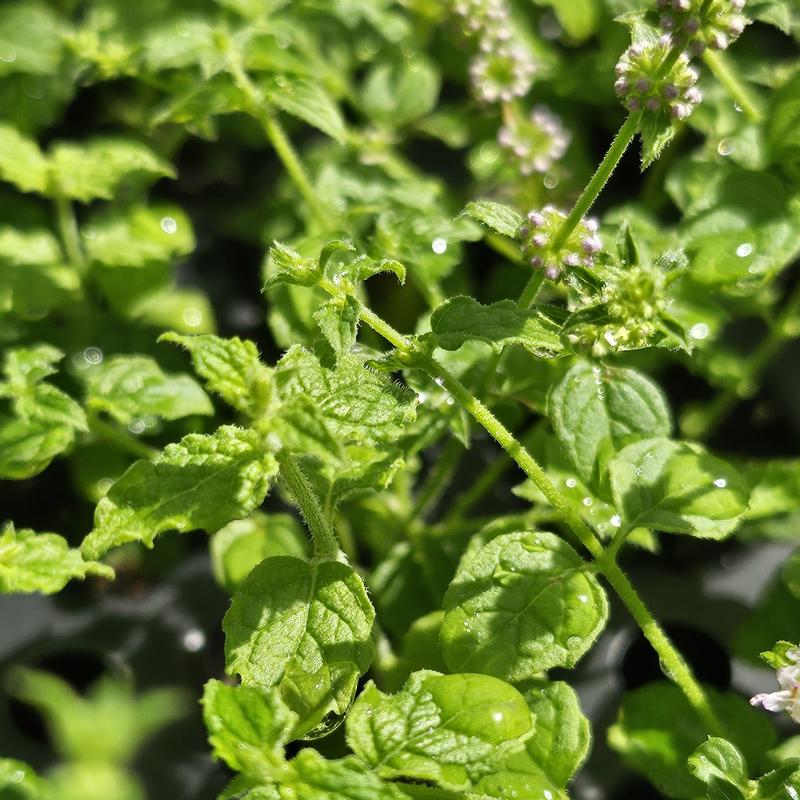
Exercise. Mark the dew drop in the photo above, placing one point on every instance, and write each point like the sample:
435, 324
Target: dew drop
497, 716
720, 483
616, 521
571, 483
450, 401
699, 331
192, 316
193, 640
136, 426
88, 231
587, 501
548, 795
93, 355
583, 598
18, 775
725, 147
422, 397
744, 249
791, 791
439, 245
9, 55
550, 181
438, 381
737, 108
168, 225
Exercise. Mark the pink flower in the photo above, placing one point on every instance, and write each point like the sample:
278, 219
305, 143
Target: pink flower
787, 698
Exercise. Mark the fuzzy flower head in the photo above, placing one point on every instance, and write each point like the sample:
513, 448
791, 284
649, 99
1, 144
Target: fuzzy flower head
787, 698
483, 16
697, 24
502, 70
536, 142
641, 86
539, 234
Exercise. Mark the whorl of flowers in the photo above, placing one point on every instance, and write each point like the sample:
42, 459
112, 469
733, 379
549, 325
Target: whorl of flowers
537, 141
787, 698
539, 233
633, 299
698, 24
503, 68
642, 87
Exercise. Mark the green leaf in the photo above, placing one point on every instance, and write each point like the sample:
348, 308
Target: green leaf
495, 216
18, 781
463, 319
783, 121
139, 235
774, 487
41, 562
230, 368
338, 321
523, 604
292, 616
579, 18
311, 103
21, 161
288, 266
245, 543
248, 727
782, 654
201, 482
449, 729
657, 730
677, 487
97, 168
656, 131
399, 93
721, 767
597, 410
350, 404
131, 387
28, 446
107, 725
30, 38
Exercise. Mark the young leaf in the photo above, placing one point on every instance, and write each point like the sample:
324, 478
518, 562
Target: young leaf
677, 487
21, 161
290, 614
245, 543
552, 755
95, 169
338, 321
463, 319
657, 730
231, 368
598, 410
656, 131
130, 387
41, 562
522, 605
495, 216
28, 446
721, 767
449, 729
396, 94
200, 482
312, 104
248, 727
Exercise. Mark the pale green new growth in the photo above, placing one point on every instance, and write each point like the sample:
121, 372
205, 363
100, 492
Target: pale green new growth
501, 219
132, 387
449, 729
677, 487
523, 604
41, 562
202, 482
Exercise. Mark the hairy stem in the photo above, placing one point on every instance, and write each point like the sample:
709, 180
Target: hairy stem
603, 172
297, 485
725, 73
674, 664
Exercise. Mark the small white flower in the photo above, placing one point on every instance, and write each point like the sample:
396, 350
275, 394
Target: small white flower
787, 698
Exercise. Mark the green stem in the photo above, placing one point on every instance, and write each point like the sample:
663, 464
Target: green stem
280, 142
70, 237
326, 546
603, 172
725, 73
531, 289
438, 479
119, 438
675, 666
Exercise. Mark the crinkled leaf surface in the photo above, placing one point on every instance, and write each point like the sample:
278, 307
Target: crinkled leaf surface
677, 487
200, 482
522, 605
131, 387
450, 729
499, 218
463, 319
41, 562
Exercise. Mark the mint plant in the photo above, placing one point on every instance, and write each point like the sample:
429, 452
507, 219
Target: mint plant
444, 275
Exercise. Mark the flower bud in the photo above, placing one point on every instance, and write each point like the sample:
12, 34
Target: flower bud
698, 24
579, 248
502, 71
